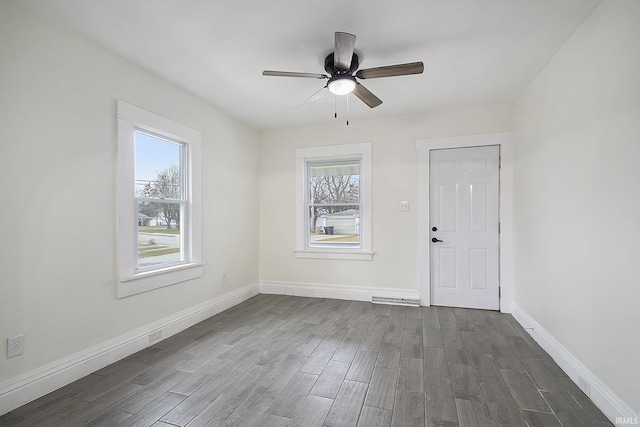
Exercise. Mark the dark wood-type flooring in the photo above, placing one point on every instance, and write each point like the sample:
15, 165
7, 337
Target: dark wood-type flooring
292, 361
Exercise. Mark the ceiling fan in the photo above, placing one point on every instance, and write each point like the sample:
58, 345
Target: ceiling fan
342, 68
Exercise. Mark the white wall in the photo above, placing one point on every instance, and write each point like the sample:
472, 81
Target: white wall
577, 198
395, 178
57, 168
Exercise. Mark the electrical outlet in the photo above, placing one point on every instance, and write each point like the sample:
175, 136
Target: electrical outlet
404, 206
155, 336
15, 346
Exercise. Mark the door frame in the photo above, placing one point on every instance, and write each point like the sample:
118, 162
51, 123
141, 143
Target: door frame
505, 213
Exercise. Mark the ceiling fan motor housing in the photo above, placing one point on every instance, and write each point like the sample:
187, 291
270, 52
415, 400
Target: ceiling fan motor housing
330, 68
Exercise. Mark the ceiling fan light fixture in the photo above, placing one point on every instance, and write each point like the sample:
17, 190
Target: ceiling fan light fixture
341, 84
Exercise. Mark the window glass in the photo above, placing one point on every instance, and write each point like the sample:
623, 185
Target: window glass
334, 203
159, 193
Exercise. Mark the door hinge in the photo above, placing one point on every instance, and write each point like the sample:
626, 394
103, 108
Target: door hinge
499, 292
499, 227
499, 162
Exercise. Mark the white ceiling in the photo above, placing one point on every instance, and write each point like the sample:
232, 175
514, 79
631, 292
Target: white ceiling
475, 51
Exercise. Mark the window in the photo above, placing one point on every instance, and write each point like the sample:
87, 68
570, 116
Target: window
160, 198
159, 218
334, 203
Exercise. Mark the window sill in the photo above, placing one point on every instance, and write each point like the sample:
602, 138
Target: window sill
334, 254
149, 280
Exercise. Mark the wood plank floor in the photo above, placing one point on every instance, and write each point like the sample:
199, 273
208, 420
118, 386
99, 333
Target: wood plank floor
292, 361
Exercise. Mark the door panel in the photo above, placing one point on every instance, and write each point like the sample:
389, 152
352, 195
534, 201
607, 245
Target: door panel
448, 260
464, 210
478, 266
478, 202
448, 201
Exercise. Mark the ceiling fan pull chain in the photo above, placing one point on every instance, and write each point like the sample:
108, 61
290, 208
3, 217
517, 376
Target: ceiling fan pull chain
335, 106
347, 109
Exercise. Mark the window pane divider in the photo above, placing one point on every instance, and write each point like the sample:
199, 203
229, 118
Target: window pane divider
333, 204
158, 200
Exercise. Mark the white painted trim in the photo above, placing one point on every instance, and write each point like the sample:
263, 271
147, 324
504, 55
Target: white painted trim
600, 394
131, 281
505, 141
355, 255
343, 150
360, 150
27, 387
323, 290
155, 279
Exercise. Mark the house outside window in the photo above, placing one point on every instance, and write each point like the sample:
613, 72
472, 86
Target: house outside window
334, 202
159, 206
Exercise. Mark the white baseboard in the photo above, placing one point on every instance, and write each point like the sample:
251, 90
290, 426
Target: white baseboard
321, 290
32, 385
599, 393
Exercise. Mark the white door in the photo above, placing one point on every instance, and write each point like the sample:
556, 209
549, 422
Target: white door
463, 219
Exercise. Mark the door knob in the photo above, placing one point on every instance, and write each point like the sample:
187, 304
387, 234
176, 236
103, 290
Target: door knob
434, 240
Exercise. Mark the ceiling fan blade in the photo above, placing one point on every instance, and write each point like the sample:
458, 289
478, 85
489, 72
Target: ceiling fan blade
391, 70
314, 98
294, 74
366, 96
343, 50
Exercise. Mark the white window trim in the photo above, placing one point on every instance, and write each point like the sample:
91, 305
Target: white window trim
130, 281
334, 152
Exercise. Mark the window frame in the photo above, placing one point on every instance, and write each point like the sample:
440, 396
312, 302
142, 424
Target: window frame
132, 280
181, 201
329, 153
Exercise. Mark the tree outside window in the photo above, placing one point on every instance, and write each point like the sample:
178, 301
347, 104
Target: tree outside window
166, 185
